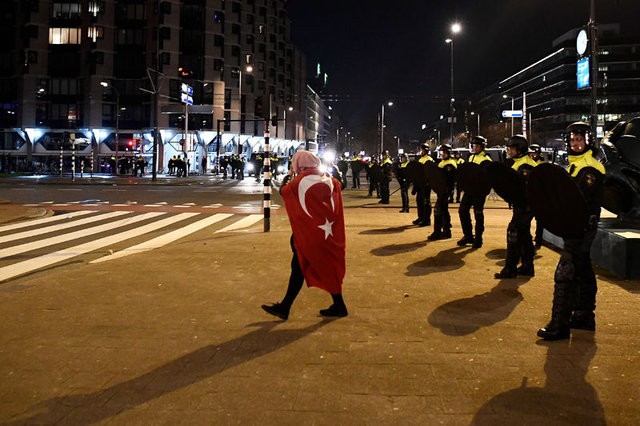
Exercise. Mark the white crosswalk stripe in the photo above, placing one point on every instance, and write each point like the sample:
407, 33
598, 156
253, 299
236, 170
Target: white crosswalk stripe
44, 244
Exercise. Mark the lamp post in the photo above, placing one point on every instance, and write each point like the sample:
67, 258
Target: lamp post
512, 108
455, 29
106, 84
247, 69
382, 127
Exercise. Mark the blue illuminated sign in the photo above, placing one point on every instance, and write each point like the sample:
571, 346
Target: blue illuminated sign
582, 73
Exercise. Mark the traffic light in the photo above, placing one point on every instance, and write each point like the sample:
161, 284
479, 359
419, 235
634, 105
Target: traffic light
130, 143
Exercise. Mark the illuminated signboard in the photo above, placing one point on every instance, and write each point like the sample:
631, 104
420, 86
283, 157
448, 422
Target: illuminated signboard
582, 73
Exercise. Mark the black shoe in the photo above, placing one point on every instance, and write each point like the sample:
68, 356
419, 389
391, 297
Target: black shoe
418, 221
553, 332
334, 311
425, 223
277, 309
583, 320
477, 242
446, 235
465, 240
526, 271
505, 273
436, 236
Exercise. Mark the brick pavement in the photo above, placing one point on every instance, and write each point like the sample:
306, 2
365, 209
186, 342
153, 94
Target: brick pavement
178, 337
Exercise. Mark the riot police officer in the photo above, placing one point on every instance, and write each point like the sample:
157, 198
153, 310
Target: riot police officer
575, 288
441, 216
519, 241
478, 155
401, 175
386, 168
422, 192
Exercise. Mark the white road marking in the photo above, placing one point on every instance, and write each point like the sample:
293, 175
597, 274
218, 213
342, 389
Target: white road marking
167, 238
22, 248
60, 226
44, 220
40, 262
242, 223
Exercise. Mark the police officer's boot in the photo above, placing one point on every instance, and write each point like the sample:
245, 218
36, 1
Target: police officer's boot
583, 320
558, 327
437, 229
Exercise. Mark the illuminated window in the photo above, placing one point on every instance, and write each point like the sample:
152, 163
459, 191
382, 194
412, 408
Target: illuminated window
95, 33
96, 7
64, 35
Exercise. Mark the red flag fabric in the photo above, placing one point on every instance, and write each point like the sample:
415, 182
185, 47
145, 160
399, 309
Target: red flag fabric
314, 205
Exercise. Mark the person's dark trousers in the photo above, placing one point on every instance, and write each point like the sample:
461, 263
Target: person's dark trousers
585, 278
404, 195
464, 212
296, 279
519, 241
384, 191
356, 180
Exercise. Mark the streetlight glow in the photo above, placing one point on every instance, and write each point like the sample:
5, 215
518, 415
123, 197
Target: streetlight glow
456, 28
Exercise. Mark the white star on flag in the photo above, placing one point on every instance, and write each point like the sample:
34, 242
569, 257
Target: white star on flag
327, 227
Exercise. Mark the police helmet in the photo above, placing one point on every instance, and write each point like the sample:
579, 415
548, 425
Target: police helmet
424, 146
479, 140
580, 128
520, 143
445, 147
534, 147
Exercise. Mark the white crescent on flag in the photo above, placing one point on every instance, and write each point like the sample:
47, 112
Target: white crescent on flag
306, 183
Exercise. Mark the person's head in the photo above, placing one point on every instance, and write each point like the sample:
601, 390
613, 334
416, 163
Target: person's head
535, 151
456, 154
578, 135
404, 157
517, 146
304, 160
424, 149
478, 144
445, 151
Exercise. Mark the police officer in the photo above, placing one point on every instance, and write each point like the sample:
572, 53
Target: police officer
441, 216
575, 288
356, 168
459, 160
422, 192
478, 155
386, 167
401, 175
519, 241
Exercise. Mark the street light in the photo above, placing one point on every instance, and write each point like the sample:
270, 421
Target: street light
512, 108
382, 128
455, 29
106, 84
247, 69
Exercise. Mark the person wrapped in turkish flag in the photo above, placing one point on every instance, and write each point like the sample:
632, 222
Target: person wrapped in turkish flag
313, 201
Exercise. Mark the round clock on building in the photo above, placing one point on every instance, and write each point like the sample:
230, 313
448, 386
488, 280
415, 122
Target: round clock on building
581, 42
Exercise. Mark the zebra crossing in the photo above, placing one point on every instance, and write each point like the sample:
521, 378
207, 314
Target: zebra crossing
32, 245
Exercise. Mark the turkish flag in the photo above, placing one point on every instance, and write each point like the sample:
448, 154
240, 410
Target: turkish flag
314, 205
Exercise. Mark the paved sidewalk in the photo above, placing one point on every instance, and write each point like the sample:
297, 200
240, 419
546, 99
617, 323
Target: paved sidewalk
177, 336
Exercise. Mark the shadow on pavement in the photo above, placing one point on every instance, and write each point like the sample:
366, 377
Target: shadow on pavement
393, 249
384, 231
445, 260
466, 316
177, 374
566, 398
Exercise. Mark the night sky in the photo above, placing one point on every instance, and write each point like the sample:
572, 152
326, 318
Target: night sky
375, 51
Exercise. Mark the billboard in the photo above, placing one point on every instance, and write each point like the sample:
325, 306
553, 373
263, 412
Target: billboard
582, 73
